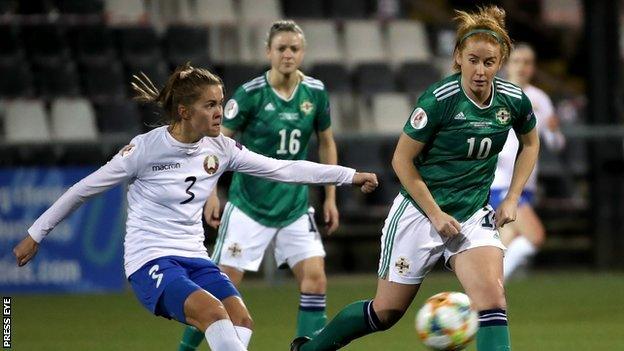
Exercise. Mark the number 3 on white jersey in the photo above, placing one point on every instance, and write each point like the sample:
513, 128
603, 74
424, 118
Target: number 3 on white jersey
156, 276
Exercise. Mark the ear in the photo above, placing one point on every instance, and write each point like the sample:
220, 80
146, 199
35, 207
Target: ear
268, 53
183, 112
457, 57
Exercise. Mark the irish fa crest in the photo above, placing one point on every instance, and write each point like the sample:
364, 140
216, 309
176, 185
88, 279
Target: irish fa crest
306, 107
402, 265
502, 116
211, 164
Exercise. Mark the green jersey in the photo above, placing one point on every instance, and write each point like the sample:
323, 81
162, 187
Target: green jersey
462, 141
280, 128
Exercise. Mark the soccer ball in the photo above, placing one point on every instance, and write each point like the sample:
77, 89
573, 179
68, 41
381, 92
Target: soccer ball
446, 321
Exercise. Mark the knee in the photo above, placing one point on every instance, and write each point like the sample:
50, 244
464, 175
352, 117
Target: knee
538, 238
388, 318
492, 298
243, 321
314, 282
201, 316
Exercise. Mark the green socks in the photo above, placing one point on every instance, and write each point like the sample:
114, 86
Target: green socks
191, 339
493, 333
312, 317
354, 321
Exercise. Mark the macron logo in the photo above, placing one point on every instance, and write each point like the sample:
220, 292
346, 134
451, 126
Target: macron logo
269, 107
165, 167
460, 116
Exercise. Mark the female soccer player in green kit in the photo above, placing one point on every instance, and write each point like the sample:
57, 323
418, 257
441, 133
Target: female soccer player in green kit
445, 160
276, 115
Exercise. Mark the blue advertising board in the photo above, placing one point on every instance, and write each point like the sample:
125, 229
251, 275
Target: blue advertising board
84, 253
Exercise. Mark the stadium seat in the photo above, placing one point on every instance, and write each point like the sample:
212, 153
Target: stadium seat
73, 120
234, 75
408, 42
8, 7
124, 11
372, 78
10, 47
162, 12
416, 77
17, 79
260, 11
322, 42
303, 9
56, 79
156, 70
389, 112
103, 80
363, 42
152, 116
137, 43
343, 113
119, 118
334, 75
215, 12
187, 43
45, 42
252, 42
92, 42
26, 121
348, 8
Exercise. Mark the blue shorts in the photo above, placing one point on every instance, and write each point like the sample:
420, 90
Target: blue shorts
163, 284
498, 195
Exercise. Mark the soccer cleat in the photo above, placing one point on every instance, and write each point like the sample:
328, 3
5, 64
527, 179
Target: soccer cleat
296, 344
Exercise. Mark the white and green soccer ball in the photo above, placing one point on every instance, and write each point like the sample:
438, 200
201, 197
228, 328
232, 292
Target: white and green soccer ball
447, 322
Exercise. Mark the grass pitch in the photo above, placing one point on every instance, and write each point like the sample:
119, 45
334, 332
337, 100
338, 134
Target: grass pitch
552, 311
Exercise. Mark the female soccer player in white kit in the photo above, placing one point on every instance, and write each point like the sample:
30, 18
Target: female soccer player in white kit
171, 171
524, 236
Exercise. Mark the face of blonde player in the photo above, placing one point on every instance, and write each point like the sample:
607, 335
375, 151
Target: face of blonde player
521, 66
479, 60
205, 113
286, 52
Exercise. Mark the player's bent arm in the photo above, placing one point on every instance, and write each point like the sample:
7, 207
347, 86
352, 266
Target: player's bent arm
525, 162
328, 154
403, 164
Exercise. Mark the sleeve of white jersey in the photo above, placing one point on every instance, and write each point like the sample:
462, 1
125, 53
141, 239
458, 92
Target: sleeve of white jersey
555, 141
300, 172
122, 167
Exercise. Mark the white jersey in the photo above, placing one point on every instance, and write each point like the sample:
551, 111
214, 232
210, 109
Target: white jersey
543, 109
169, 182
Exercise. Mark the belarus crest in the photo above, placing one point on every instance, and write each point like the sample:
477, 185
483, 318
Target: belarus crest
211, 164
502, 116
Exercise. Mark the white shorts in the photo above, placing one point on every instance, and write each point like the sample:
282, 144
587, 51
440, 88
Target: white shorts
242, 241
410, 246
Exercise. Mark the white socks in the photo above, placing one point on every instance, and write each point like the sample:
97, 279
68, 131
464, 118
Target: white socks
244, 334
518, 253
221, 336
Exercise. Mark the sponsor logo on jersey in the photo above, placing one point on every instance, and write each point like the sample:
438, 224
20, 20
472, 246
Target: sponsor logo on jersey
126, 150
418, 119
460, 116
288, 116
502, 116
211, 164
269, 107
165, 167
306, 107
481, 124
402, 265
231, 109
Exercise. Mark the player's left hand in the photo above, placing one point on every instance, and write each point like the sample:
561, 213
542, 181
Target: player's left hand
367, 181
506, 212
25, 250
212, 211
331, 216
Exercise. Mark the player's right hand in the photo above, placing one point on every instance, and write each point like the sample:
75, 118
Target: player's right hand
445, 224
25, 250
367, 181
212, 211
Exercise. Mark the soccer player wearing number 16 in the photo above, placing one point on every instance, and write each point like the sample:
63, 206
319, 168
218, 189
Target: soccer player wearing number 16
171, 171
445, 160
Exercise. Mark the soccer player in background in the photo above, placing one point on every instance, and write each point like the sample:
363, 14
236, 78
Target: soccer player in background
171, 171
276, 115
526, 235
445, 159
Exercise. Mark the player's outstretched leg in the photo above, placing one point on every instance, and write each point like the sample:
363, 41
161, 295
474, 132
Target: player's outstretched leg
362, 318
480, 271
